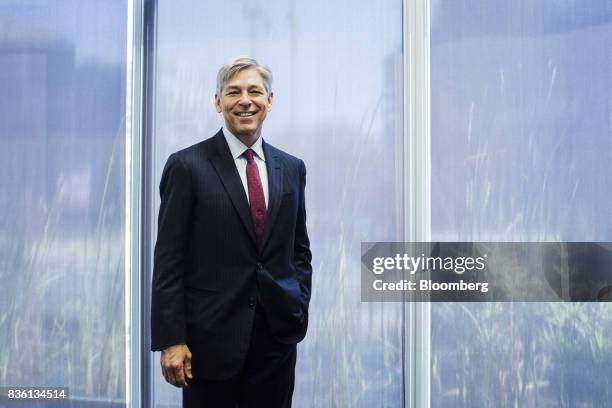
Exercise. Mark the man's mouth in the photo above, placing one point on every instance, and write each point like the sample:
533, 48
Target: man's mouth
245, 114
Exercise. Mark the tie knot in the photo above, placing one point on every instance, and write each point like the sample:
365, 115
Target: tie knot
248, 154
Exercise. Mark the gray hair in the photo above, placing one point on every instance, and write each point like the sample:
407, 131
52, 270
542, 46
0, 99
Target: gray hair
237, 64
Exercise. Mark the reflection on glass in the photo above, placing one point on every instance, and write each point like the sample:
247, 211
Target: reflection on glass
62, 70
521, 97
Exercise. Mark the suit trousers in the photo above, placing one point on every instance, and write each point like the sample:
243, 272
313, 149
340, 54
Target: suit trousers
265, 381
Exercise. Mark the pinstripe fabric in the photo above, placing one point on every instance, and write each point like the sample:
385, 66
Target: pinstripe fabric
208, 268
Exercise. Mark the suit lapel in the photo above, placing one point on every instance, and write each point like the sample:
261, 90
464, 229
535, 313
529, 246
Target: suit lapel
223, 162
275, 182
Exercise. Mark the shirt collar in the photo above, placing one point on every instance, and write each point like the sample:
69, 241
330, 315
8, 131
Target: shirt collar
237, 147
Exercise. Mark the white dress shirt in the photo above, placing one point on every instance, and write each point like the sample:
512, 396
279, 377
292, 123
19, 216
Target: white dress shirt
237, 148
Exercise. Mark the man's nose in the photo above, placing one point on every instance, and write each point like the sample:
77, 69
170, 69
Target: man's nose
244, 99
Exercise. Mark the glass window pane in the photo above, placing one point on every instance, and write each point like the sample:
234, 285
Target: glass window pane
62, 75
521, 151
338, 105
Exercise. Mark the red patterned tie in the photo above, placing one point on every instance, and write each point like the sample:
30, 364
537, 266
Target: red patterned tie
256, 195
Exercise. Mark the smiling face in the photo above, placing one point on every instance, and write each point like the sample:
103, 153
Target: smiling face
244, 103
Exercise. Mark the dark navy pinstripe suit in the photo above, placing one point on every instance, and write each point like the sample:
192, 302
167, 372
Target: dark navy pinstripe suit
208, 268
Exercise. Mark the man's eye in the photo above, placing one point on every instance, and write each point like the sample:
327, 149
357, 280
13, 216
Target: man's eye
257, 92
232, 93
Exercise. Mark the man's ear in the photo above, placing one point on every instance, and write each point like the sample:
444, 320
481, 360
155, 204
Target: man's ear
270, 100
218, 103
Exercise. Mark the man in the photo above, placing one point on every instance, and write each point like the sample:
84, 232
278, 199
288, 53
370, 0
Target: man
232, 272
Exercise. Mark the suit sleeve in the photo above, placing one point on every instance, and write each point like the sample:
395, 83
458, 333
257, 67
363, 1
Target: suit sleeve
302, 255
173, 230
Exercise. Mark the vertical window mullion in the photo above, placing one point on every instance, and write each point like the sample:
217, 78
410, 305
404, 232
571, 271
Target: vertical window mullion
133, 197
417, 187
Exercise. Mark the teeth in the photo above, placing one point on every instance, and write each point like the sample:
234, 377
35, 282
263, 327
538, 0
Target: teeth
245, 113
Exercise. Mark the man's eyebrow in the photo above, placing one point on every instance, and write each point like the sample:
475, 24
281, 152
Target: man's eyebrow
237, 88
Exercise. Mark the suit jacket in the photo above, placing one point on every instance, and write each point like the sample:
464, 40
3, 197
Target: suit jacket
208, 268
